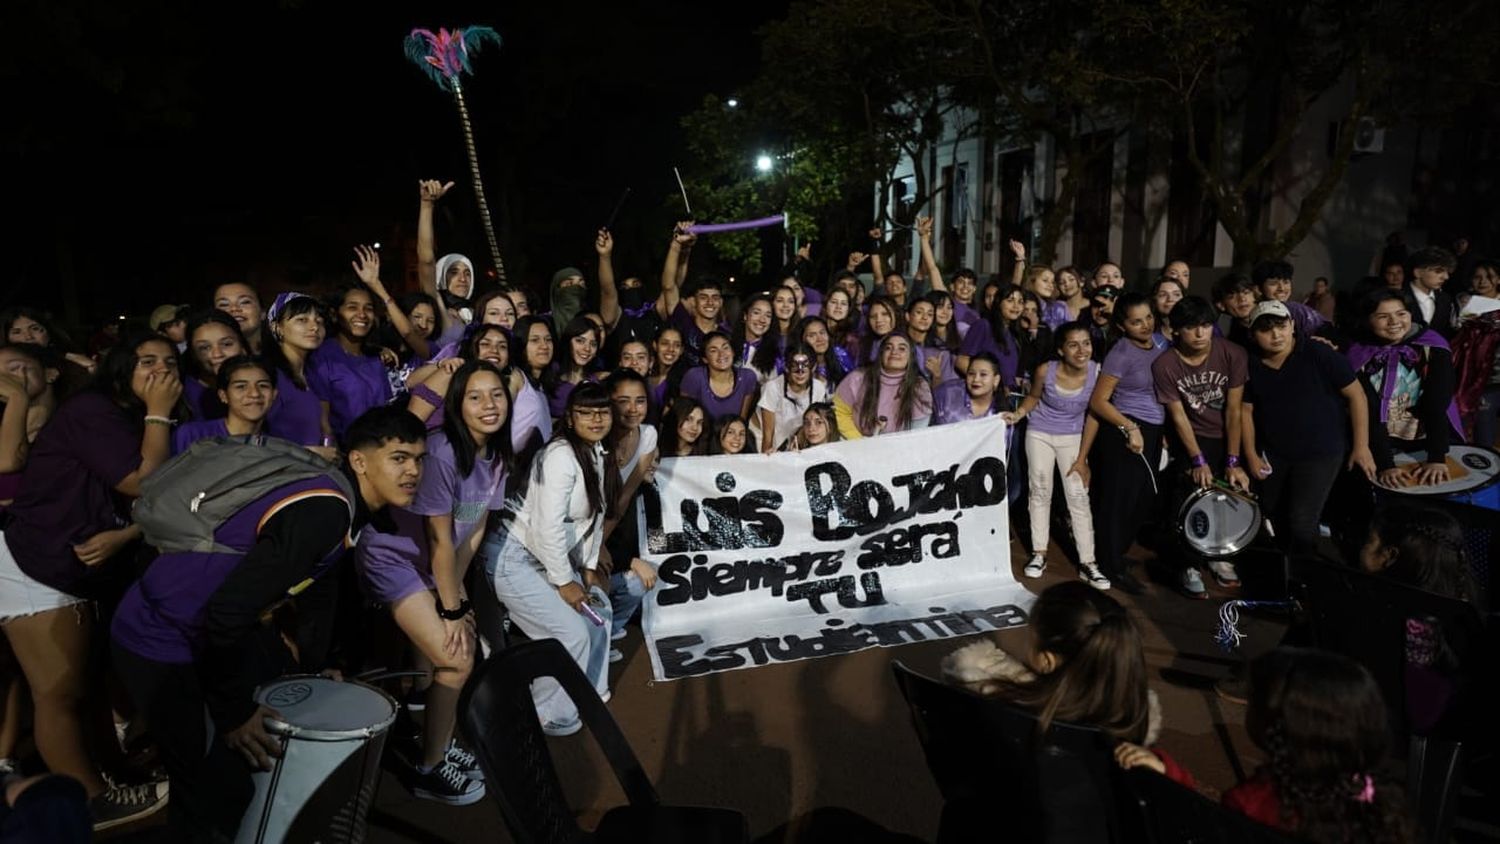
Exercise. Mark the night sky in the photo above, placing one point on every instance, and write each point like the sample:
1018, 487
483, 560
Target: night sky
166, 146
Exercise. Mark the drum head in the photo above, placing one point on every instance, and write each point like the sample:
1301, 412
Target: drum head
1470, 468
1219, 523
314, 707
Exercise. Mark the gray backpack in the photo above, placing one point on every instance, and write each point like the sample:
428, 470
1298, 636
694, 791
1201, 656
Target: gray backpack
187, 498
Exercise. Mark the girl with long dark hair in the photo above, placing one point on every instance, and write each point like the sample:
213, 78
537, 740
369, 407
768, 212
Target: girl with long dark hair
831, 362
882, 317
347, 371
543, 559
785, 398
580, 348
684, 429
886, 396
757, 337
297, 330
212, 338
718, 384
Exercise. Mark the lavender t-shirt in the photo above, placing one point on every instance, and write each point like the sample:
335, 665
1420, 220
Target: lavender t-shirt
1135, 394
695, 385
396, 565
351, 384
296, 415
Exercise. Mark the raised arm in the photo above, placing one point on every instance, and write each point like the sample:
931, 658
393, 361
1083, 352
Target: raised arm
366, 265
161, 394
431, 190
670, 293
1018, 270
929, 261
876, 269
609, 295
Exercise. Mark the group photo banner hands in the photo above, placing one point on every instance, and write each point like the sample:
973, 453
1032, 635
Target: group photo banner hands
876, 542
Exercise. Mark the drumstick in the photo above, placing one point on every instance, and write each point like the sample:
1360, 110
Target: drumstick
685, 203
618, 206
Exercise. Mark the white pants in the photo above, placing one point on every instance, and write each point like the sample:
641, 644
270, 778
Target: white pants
1043, 453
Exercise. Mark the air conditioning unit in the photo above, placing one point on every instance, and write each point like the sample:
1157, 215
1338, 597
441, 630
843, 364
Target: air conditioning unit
1368, 137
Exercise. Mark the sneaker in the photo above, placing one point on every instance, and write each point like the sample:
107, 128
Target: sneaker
618, 635
558, 729
1127, 583
125, 803
1093, 577
464, 761
1035, 566
8, 767
446, 783
615, 654
1192, 583
1224, 573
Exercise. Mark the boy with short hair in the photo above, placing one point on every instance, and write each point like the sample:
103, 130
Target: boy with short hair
1428, 271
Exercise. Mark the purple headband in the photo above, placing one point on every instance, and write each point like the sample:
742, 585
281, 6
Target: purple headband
282, 300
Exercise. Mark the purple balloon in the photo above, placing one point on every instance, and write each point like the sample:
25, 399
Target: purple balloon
743, 224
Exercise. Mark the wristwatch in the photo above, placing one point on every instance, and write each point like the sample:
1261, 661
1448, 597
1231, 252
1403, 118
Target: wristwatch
453, 614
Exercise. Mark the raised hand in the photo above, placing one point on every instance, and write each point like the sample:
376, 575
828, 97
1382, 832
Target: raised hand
366, 265
604, 243
12, 389
924, 228
161, 393
1017, 249
432, 190
681, 236
805, 252
855, 259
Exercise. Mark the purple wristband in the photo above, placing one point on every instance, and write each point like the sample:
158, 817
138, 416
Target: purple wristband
1232, 461
1199, 460
427, 394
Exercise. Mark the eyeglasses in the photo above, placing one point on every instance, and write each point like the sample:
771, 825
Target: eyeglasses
592, 412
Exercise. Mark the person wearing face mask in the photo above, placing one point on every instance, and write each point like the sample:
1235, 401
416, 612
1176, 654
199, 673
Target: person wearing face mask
243, 305
213, 337
1407, 372
246, 387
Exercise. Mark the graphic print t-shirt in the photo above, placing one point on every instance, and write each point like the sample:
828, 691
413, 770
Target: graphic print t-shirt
1201, 389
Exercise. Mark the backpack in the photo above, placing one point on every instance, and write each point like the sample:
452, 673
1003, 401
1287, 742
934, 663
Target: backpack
185, 501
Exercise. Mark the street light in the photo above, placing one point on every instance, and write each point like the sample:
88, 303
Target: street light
732, 102
763, 163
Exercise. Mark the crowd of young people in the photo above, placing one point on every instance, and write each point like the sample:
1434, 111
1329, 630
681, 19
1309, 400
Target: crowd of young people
483, 429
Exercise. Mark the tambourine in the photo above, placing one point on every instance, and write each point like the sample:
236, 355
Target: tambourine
1219, 521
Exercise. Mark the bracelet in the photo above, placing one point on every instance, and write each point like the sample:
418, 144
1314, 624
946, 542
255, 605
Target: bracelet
1126, 429
1232, 461
159, 420
453, 614
1199, 460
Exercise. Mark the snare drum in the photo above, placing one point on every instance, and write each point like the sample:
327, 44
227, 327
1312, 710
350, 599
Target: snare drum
1218, 521
321, 788
1473, 476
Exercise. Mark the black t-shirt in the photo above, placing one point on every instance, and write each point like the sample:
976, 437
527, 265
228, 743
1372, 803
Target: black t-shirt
1299, 413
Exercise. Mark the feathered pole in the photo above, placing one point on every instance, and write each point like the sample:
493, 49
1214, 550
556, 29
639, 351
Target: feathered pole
444, 56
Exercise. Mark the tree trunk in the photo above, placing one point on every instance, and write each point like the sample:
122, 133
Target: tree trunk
484, 207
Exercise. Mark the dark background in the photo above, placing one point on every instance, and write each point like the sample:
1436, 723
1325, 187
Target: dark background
162, 147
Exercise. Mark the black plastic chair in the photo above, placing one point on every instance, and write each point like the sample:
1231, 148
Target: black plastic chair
1363, 617
1169, 813
501, 723
997, 772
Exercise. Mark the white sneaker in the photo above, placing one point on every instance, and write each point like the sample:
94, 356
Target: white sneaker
1093, 577
1223, 572
1035, 566
615, 654
1192, 583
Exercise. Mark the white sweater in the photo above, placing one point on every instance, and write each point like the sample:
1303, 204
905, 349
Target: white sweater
553, 521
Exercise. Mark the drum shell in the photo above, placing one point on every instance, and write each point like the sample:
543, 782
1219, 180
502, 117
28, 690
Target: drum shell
322, 786
1204, 526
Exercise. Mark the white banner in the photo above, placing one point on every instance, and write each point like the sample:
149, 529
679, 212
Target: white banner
877, 542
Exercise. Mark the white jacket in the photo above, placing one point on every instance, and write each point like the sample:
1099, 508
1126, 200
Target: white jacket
553, 521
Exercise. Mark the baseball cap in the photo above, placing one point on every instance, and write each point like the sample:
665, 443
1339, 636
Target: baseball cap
164, 314
1269, 308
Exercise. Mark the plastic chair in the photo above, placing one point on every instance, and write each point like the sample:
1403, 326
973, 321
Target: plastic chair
1364, 617
1169, 813
501, 724
996, 771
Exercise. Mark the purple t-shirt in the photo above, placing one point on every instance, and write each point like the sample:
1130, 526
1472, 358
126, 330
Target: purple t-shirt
68, 490
1135, 394
394, 565
296, 415
202, 401
190, 432
1203, 390
351, 384
981, 339
951, 403
1061, 413
161, 617
695, 385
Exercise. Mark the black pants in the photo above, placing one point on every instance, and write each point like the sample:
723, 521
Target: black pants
1123, 492
210, 784
1293, 498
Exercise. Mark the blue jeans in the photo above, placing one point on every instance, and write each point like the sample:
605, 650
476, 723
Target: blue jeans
541, 613
626, 593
